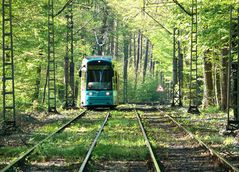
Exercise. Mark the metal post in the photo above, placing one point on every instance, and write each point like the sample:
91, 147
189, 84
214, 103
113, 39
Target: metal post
51, 61
177, 70
69, 61
194, 84
9, 108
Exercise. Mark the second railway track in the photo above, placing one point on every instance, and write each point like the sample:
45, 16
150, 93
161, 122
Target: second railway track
176, 148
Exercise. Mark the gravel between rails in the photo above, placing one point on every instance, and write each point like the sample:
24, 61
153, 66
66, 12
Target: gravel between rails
176, 150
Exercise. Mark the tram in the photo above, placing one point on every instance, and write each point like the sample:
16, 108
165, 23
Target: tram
99, 82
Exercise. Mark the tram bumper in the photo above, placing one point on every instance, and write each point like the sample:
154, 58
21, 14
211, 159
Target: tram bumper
102, 98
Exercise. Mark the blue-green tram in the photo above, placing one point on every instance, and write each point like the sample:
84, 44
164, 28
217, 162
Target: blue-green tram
99, 82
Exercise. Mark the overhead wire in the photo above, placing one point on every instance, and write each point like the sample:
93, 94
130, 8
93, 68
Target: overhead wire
86, 23
167, 2
160, 24
63, 8
182, 8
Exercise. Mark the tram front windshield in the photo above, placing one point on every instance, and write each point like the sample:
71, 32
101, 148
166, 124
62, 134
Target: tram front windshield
99, 77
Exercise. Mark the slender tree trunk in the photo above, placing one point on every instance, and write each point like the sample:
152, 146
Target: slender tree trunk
72, 83
66, 69
151, 61
112, 42
153, 68
38, 83
126, 54
117, 40
218, 85
44, 90
224, 78
109, 46
137, 60
208, 86
76, 90
130, 45
135, 52
146, 60
141, 51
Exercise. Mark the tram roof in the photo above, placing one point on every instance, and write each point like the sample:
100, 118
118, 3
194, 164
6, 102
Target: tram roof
99, 57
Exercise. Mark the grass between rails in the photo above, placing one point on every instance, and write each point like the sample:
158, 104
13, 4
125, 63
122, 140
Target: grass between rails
33, 128
122, 139
72, 144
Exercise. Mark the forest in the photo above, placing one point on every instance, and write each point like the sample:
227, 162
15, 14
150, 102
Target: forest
177, 54
146, 32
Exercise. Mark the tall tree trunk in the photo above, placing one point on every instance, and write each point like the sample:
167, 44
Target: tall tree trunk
130, 45
224, 78
109, 46
112, 42
135, 52
76, 90
45, 85
146, 60
126, 53
38, 82
208, 86
141, 51
66, 73
137, 60
117, 40
151, 61
72, 83
153, 68
218, 85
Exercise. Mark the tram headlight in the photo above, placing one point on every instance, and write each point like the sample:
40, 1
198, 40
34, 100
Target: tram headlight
107, 93
90, 93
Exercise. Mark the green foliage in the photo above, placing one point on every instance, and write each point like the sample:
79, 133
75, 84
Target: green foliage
30, 39
146, 92
11, 152
121, 140
211, 110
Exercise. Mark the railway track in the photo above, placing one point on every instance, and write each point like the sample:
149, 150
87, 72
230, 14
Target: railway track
178, 149
124, 144
131, 165
86, 159
19, 161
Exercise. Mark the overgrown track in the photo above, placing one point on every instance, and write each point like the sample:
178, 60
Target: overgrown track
214, 153
121, 147
156, 166
22, 157
93, 144
178, 149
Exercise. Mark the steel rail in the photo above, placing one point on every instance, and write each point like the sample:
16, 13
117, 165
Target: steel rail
148, 143
87, 157
212, 152
29, 151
